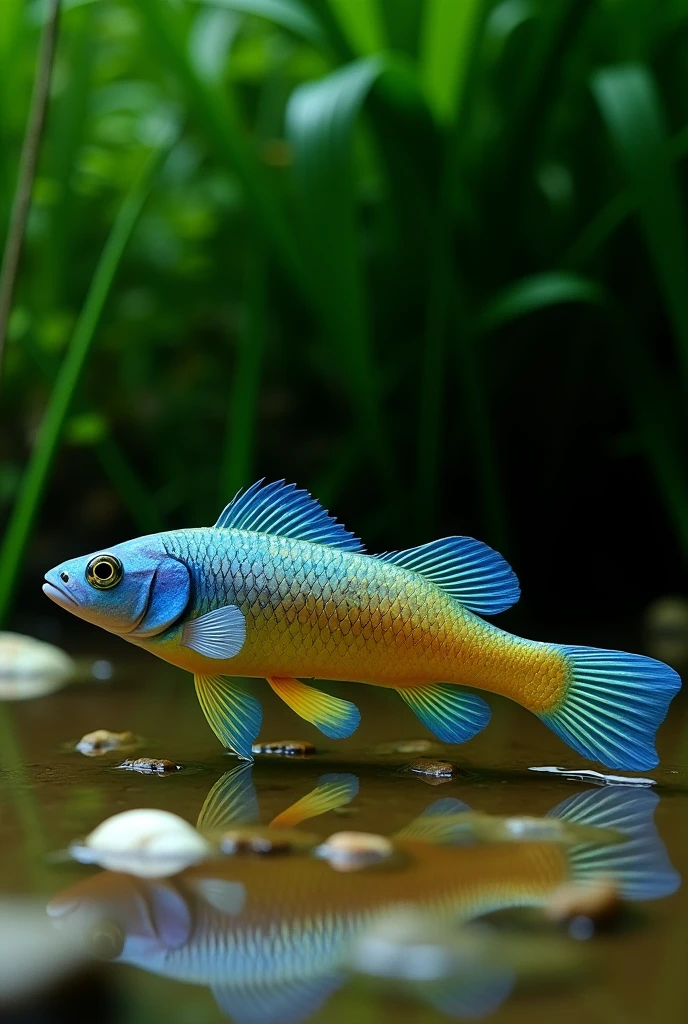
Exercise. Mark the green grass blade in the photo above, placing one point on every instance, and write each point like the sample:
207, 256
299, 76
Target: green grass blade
38, 469
321, 117
243, 399
289, 14
27, 170
362, 24
215, 111
447, 38
631, 108
534, 293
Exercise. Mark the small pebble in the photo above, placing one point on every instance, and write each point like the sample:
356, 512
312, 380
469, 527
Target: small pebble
291, 748
597, 900
100, 741
351, 851
265, 841
150, 765
143, 842
429, 766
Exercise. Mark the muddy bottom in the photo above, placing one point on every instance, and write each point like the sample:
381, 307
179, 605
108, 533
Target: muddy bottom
259, 940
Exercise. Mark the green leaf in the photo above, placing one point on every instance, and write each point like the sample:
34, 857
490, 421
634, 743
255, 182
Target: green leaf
446, 43
289, 14
216, 112
631, 108
535, 293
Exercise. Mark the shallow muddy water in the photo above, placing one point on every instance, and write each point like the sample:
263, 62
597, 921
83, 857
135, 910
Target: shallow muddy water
192, 953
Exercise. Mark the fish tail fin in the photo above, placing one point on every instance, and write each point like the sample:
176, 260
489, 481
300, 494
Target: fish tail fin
611, 706
640, 865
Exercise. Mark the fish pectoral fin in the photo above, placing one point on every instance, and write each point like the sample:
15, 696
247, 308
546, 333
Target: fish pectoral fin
284, 1002
223, 895
334, 790
219, 634
234, 716
466, 568
443, 822
453, 715
334, 717
231, 801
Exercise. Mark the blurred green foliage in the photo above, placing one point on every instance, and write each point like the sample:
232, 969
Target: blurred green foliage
362, 214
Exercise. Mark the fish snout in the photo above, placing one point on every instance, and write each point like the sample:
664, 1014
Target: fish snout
57, 588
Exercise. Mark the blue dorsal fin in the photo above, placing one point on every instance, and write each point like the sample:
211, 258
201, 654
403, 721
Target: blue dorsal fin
467, 569
279, 508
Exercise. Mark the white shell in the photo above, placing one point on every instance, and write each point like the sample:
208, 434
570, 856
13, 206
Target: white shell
350, 851
144, 842
31, 668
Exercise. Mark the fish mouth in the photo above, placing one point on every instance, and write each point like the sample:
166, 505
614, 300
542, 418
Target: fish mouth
58, 595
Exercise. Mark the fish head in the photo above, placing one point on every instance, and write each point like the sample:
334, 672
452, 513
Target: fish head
136, 589
119, 918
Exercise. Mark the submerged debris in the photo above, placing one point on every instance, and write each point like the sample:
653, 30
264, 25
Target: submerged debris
143, 842
412, 746
265, 841
31, 668
290, 748
597, 900
596, 778
150, 765
351, 851
433, 768
101, 741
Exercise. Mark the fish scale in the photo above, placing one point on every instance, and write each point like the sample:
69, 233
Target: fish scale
325, 613
278, 589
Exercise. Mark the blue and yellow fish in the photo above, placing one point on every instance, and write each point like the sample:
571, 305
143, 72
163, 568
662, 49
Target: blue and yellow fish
278, 589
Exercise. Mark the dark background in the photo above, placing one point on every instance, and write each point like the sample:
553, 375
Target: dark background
427, 259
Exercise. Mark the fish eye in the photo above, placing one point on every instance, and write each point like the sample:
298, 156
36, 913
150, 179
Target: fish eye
104, 572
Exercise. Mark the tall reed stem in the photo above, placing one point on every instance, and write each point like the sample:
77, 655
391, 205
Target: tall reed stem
27, 170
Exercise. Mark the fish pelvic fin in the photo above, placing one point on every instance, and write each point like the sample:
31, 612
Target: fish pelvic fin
612, 705
333, 716
234, 716
333, 790
453, 715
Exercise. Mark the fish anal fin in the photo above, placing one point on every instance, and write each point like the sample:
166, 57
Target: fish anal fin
333, 716
473, 573
452, 714
234, 716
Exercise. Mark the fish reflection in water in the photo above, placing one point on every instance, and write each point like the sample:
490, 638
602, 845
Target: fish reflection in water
273, 939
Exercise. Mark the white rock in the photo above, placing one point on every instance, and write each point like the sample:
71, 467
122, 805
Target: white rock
31, 668
144, 842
